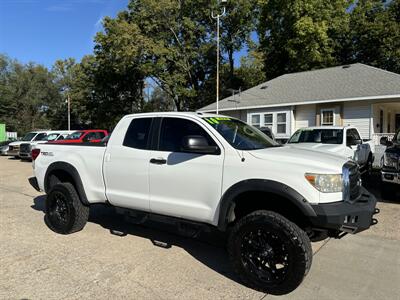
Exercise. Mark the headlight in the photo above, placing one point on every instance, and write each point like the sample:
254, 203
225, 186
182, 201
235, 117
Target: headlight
390, 160
325, 183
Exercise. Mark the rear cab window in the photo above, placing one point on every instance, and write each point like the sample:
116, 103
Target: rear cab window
137, 135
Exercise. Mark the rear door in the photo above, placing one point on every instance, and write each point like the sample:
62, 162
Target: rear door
126, 165
186, 185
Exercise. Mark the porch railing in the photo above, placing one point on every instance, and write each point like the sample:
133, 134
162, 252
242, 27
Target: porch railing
376, 137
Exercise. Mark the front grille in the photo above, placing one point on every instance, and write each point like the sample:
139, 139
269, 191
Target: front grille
355, 182
352, 181
25, 148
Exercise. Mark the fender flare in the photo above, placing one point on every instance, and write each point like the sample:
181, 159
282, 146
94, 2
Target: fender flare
70, 170
227, 202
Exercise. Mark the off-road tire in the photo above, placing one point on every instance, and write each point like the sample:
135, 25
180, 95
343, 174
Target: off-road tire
77, 213
294, 240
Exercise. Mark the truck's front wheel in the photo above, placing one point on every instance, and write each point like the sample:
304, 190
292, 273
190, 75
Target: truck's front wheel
269, 253
65, 213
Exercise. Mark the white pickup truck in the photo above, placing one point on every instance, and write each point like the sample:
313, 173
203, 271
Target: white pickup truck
340, 140
203, 170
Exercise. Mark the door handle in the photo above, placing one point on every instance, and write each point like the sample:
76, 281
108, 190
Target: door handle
158, 161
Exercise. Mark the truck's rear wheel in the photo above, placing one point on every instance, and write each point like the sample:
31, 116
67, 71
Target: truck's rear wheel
269, 253
65, 212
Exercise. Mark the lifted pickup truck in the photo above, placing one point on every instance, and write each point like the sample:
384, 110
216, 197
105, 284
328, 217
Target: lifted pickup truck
341, 140
206, 170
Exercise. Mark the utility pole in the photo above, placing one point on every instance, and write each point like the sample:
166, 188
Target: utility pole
217, 16
69, 112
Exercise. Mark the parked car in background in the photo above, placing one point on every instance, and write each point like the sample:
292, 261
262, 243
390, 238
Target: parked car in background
340, 140
4, 146
13, 149
56, 135
390, 172
84, 136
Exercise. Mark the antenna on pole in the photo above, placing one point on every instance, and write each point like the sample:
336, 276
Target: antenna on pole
217, 16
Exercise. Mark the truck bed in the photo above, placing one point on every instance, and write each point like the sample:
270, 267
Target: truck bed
86, 158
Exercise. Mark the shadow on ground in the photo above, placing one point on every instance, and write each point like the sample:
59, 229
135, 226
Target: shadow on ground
207, 247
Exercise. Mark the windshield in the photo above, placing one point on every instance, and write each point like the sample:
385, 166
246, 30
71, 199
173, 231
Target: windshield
240, 135
322, 136
51, 137
29, 136
75, 135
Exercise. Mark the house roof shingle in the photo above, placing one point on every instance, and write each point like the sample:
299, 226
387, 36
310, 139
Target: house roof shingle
330, 84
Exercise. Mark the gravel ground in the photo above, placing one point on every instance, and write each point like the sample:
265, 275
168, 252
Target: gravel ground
36, 263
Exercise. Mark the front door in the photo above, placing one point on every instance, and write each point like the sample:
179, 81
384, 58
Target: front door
185, 185
126, 167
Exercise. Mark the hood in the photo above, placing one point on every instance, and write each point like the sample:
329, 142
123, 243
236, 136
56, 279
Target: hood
17, 143
334, 148
313, 161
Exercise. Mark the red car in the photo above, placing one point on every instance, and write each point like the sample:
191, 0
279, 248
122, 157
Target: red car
84, 136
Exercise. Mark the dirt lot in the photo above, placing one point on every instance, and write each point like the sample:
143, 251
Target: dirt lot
36, 263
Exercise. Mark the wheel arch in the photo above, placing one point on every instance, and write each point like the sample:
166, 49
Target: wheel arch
280, 191
64, 172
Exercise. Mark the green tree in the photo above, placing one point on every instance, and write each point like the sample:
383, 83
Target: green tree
26, 94
236, 27
375, 34
297, 35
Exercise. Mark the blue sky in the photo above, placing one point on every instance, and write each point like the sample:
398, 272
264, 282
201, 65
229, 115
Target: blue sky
43, 31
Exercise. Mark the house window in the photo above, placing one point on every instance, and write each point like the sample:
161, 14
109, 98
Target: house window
255, 120
281, 123
327, 117
268, 120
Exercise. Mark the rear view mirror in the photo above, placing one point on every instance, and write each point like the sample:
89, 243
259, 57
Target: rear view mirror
198, 144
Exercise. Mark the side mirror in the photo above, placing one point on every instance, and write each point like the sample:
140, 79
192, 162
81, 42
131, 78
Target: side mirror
198, 144
350, 141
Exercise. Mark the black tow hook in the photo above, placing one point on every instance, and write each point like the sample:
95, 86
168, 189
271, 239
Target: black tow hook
374, 221
376, 211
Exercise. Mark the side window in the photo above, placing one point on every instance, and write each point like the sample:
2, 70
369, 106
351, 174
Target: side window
173, 130
90, 136
351, 136
40, 136
355, 134
137, 135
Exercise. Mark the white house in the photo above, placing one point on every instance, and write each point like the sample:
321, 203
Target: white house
357, 94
